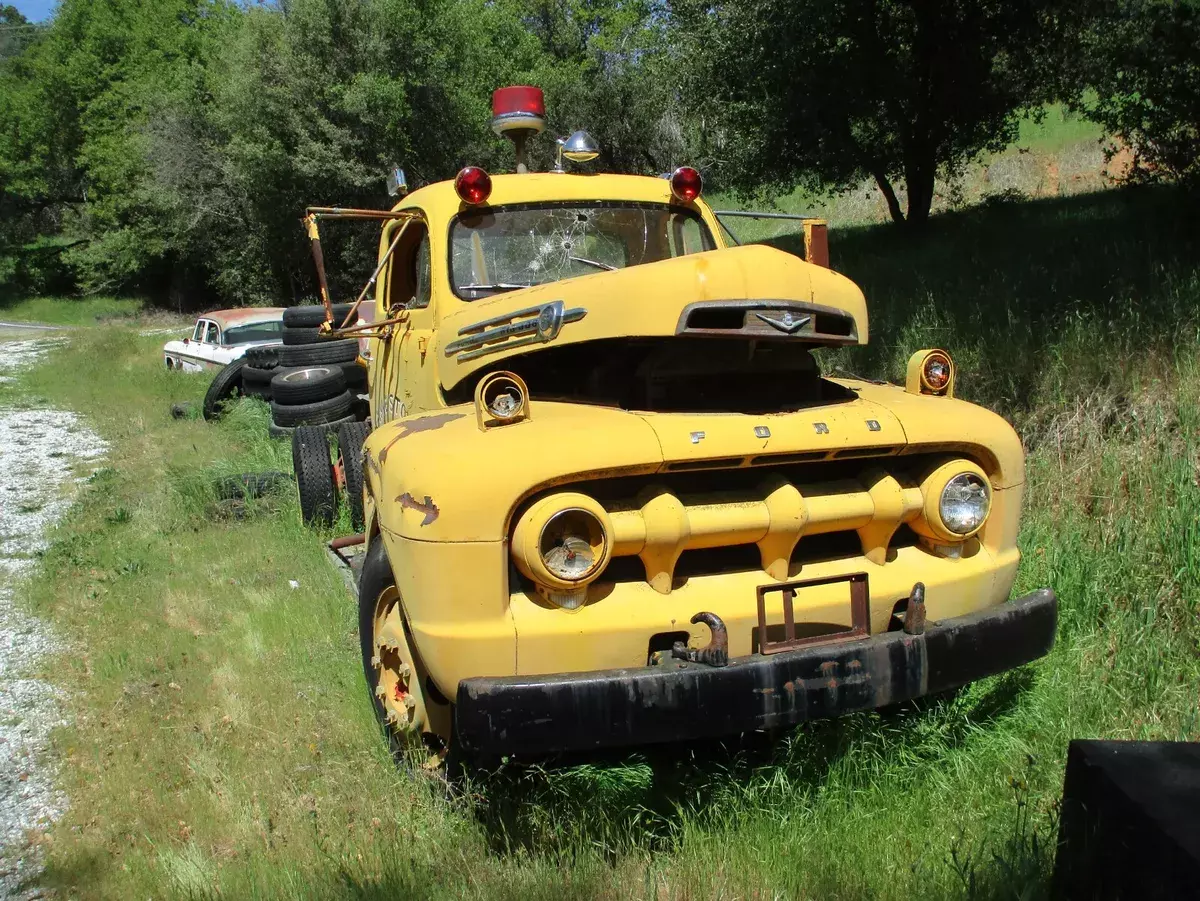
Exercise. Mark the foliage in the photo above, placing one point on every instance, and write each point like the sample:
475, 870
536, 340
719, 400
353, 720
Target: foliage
173, 147
1138, 74
822, 93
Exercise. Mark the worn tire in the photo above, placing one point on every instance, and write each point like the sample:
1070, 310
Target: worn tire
312, 315
225, 384
321, 412
263, 357
356, 377
257, 382
306, 386
300, 337
314, 476
328, 351
286, 431
350, 444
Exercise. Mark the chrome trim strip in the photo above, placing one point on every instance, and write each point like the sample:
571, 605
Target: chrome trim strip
542, 326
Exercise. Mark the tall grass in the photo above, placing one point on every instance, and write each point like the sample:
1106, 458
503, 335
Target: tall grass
223, 746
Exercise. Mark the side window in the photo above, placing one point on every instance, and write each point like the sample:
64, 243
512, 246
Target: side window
198, 334
214, 334
687, 236
423, 275
410, 284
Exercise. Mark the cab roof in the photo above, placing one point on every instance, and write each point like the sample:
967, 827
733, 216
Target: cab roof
440, 199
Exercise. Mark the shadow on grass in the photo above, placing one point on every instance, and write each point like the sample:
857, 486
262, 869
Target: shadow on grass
1039, 301
616, 802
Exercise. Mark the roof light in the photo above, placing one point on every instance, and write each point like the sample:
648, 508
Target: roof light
473, 185
686, 184
518, 108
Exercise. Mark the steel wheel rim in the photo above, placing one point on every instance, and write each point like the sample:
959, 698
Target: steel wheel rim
397, 687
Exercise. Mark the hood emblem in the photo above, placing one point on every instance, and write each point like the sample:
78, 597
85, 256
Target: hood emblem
536, 325
787, 323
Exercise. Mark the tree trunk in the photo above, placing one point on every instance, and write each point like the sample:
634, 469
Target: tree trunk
889, 194
919, 177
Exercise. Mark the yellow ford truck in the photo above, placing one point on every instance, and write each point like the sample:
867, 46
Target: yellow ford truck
609, 498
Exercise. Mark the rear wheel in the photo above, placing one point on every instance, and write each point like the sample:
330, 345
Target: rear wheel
350, 443
415, 718
314, 476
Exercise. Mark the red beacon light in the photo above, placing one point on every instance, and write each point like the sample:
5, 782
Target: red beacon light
686, 184
518, 113
473, 185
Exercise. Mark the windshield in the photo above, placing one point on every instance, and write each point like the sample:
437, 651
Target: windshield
507, 248
257, 331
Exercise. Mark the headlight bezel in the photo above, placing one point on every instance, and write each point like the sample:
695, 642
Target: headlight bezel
536, 524
931, 524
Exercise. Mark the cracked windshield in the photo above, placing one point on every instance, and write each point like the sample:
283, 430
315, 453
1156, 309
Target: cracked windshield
504, 249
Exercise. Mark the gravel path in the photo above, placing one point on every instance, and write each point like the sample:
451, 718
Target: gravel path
40, 453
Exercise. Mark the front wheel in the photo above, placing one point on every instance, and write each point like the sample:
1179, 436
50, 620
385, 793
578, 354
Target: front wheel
411, 711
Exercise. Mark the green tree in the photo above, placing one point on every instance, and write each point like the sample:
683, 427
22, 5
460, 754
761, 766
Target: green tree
1138, 74
828, 92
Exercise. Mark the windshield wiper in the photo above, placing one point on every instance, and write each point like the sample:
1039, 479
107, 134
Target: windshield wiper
498, 286
596, 263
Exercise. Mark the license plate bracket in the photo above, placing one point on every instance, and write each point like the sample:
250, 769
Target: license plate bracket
860, 614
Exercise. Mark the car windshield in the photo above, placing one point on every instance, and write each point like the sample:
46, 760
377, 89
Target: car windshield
506, 248
255, 331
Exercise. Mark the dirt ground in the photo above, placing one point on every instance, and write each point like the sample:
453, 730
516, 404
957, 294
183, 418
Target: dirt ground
44, 454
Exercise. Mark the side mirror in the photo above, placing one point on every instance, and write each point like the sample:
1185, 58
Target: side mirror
187, 340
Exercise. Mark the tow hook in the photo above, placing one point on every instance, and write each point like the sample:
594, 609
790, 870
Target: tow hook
717, 651
914, 615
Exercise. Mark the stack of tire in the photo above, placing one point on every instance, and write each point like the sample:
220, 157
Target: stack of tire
311, 380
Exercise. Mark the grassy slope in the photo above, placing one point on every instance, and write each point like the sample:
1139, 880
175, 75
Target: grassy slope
68, 311
223, 744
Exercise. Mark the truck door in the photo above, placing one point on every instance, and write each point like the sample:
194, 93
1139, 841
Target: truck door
405, 286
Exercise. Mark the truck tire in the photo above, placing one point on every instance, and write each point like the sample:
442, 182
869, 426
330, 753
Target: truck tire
356, 377
312, 315
266, 357
226, 384
314, 476
328, 351
257, 382
350, 443
306, 386
286, 431
320, 412
299, 337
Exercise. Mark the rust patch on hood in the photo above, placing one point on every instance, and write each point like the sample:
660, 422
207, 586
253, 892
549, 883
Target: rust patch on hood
420, 424
427, 506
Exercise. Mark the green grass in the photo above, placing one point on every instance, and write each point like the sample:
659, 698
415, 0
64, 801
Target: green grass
1058, 130
69, 311
223, 746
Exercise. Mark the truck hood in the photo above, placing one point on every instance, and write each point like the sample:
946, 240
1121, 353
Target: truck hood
754, 292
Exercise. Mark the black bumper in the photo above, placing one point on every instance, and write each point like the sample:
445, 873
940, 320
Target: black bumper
533, 715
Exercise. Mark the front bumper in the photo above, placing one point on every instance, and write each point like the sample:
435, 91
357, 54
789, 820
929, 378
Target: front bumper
533, 715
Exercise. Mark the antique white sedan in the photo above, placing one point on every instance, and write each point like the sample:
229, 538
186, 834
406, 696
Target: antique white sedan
223, 336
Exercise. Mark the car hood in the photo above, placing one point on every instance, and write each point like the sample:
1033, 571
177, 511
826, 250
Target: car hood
753, 292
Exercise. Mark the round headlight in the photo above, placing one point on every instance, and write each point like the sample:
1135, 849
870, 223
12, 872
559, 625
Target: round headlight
936, 372
572, 544
964, 503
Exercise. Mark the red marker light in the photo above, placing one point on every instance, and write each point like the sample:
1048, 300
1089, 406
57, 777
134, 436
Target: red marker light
686, 183
473, 185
